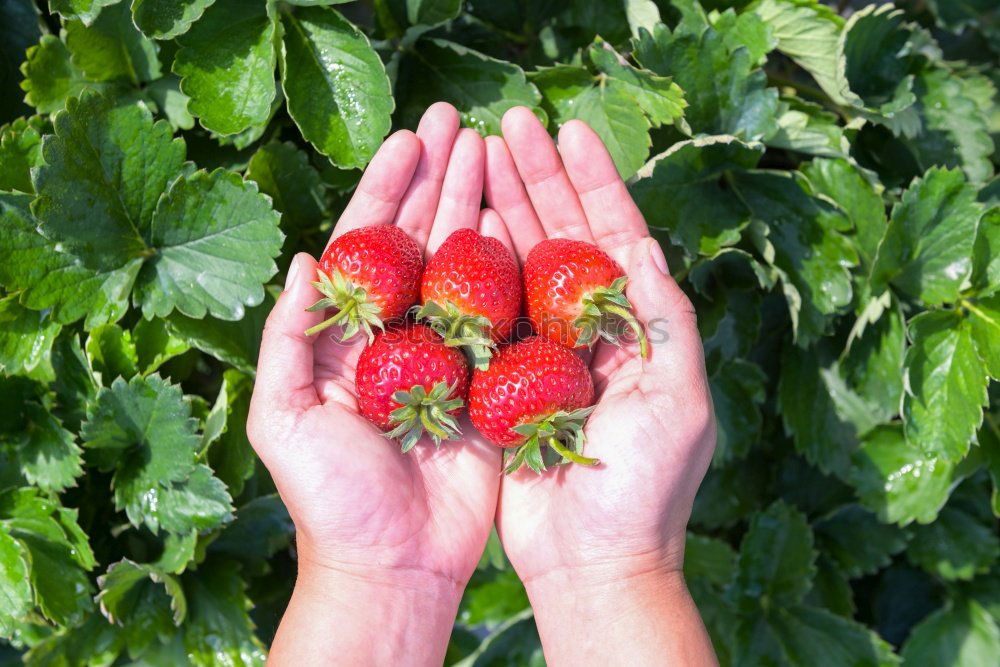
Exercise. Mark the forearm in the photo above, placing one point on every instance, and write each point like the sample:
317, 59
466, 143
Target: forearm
337, 617
644, 619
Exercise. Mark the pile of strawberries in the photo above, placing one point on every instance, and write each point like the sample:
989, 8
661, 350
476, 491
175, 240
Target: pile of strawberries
446, 336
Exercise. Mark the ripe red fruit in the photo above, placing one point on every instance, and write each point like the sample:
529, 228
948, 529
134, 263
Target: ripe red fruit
534, 393
370, 275
575, 294
471, 293
408, 382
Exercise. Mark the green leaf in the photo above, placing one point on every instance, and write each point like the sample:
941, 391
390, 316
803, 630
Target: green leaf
680, 190
745, 30
262, 528
111, 353
956, 130
848, 188
961, 633
738, 389
146, 602
984, 318
337, 89
776, 560
231, 456
165, 94
22, 29
571, 92
155, 344
166, 19
831, 590
112, 48
49, 76
725, 94
282, 171
227, 66
95, 642
873, 364
20, 150
927, 249
857, 541
823, 416
708, 558
813, 636
46, 452
219, 629
201, 503
956, 546
945, 385
659, 97
16, 599
26, 337
235, 343
492, 598
432, 12
808, 128
897, 481
143, 431
798, 235
480, 87
206, 262
986, 253
85, 10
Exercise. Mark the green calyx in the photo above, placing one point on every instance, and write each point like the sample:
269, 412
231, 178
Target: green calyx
561, 431
458, 329
354, 311
425, 412
604, 310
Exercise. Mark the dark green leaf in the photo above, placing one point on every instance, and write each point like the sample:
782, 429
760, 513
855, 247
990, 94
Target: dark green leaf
16, 599
26, 337
111, 353
927, 249
166, 19
22, 29
20, 150
337, 88
946, 385
147, 603
231, 456
283, 172
807, 128
813, 636
956, 546
681, 190
227, 66
873, 365
709, 559
155, 344
962, 633
112, 48
219, 628
855, 539
261, 529
737, 392
235, 343
85, 10
49, 76
480, 87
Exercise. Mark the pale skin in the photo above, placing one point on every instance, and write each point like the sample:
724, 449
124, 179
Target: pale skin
386, 542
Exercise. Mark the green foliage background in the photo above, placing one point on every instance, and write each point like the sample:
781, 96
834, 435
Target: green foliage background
821, 176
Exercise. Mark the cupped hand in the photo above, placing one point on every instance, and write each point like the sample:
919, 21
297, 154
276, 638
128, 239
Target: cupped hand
653, 427
360, 507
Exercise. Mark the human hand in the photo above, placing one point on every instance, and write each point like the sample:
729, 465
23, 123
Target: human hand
396, 537
593, 544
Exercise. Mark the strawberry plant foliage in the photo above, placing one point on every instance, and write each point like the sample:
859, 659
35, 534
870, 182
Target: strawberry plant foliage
822, 176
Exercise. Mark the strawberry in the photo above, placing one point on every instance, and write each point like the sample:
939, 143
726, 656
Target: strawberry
575, 294
370, 275
471, 293
409, 381
534, 392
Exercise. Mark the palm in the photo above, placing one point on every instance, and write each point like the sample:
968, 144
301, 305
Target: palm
652, 428
351, 493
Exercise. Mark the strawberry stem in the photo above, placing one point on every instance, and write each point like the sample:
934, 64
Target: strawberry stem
356, 312
341, 315
554, 443
629, 319
423, 411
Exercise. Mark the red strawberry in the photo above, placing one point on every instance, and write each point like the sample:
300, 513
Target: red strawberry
534, 393
370, 275
471, 293
409, 381
575, 293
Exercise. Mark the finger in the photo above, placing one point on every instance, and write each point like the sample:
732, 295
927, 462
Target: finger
667, 314
505, 193
615, 220
492, 225
462, 190
285, 366
546, 181
383, 185
437, 130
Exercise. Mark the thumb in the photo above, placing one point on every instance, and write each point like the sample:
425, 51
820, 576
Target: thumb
285, 365
665, 310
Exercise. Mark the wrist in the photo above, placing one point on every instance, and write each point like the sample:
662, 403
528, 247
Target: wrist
635, 616
371, 615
